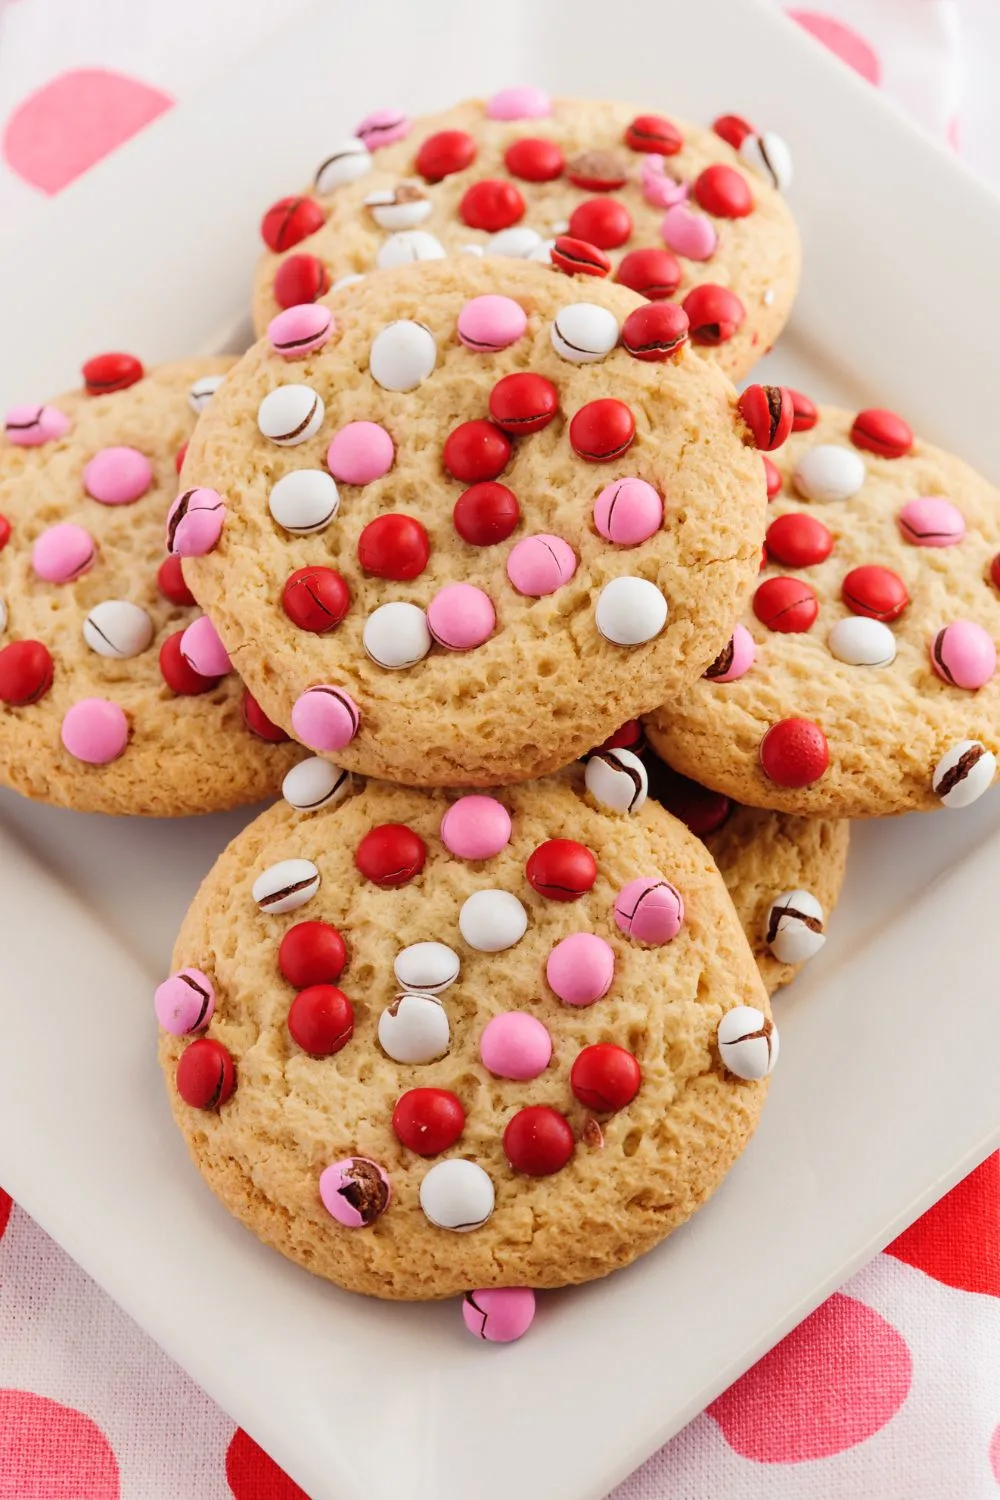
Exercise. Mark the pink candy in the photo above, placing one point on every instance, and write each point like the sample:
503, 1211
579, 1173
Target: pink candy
185, 1003
931, 522
382, 127
360, 453
117, 476
650, 910
499, 1314
964, 655
628, 511
689, 234
335, 1185
203, 650
580, 968
658, 187
63, 553
195, 522
744, 651
460, 617
515, 1045
523, 103
540, 564
95, 730
475, 827
301, 329
325, 718
28, 426
489, 323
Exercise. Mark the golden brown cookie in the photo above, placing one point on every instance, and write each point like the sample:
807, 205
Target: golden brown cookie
99, 708
573, 1105
474, 601
667, 207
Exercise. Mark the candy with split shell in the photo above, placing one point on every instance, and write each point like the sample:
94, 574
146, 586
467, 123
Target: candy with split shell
795, 927
285, 886
185, 1003
414, 1028
584, 333
617, 780
118, 629
748, 1043
304, 501
430, 966
315, 783
457, 1195
965, 771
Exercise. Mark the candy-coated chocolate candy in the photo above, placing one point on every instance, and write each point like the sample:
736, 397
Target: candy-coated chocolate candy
491, 204
964, 773
489, 323
795, 927
733, 129
300, 278
748, 1043
523, 402
349, 160
321, 1020
828, 473
931, 522
286, 886
605, 1078
201, 391
5, 529
487, 513
769, 155
457, 1194
598, 171
304, 501
360, 453
461, 617
772, 477
882, 432
787, 605
95, 730
258, 723
414, 1029
964, 655
580, 968
538, 565
656, 332
427, 966
583, 333
995, 571
428, 1121
111, 372
63, 553
630, 611
390, 855
798, 540
290, 414
653, 133
312, 953
767, 411
180, 456
805, 409
724, 192
408, 246
714, 313
205, 1075
576, 257
299, 330
534, 159
170, 582
396, 636
117, 629
519, 242
649, 910
604, 222
383, 127
178, 674
688, 233
653, 273
492, 920
315, 599
185, 1003
617, 780
476, 451
355, 1191
628, 511
290, 220
875, 591
602, 430
538, 1141
29, 426
561, 870
794, 753
521, 103
314, 783
26, 673
475, 827
629, 736
735, 659
515, 1045
325, 717
862, 642
445, 152
202, 649
394, 547
700, 809
499, 1315
402, 355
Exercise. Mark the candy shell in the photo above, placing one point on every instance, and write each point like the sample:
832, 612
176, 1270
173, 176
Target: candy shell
538, 565
499, 1315
185, 1003
354, 1191
315, 783
476, 827
490, 323
414, 1029
457, 1194
428, 966
580, 969
650, 910
628, 511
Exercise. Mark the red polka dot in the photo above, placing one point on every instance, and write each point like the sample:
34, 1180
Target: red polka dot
956, 1241
51, 1452
6, 1204
835, 1380
63, 128
842, 40
254, 1476
995, 1455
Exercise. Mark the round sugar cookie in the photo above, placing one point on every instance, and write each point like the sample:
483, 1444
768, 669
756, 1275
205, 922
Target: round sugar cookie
422, 1043
102, 708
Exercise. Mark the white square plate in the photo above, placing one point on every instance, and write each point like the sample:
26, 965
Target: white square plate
887, 1089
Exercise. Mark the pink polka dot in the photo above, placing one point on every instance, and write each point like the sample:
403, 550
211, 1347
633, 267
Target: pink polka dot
842, 40
995, 1455
835, 1380
62, 129
51, 1452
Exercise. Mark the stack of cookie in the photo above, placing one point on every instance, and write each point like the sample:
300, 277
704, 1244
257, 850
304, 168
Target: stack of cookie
481, 1005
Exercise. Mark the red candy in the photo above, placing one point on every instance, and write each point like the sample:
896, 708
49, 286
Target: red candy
312, 953
767, 411
180, 456
603, 222
653, 273
315, 599
703, 811
290, 220
491, 205
394, 546
798, 540
538, 1141
598, 171
787, 605
602, 430
206, 1077
26, 673
805, 412
655, 332
390, 855
772, 474
628, 737
733, 129
5, 529
321, 1020
170, 582
428, 1121
534, 159
475, 451
578, 257
794, 753
714, 312
444, 153
523, 403
995, 571
654, 133
486, 513
300, 278
605, 1078
111, 372
882, 432
724, 192
561, 869
258, 723
876, 592
180, 677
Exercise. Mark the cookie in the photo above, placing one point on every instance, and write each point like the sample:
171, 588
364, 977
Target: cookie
423, 1043
666, 208
396, 568
862, 680
101, 706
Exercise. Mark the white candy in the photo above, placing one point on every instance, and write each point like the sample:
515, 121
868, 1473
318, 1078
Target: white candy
414, 1029
769, 155
978, 777
349, 160
290, 415
304, 501
351, 279
396, 635
457, 1194
518, 242
3, 615
789, 936
561, 226
392, 212
476, 250
427, 966
402, 355
284, 886
862, 642
584, 332
492, 920
748, 1042
409, 246
117, 629
544, 252
829, 472
315, 783
630, 611
201, 393
617, 780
